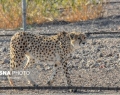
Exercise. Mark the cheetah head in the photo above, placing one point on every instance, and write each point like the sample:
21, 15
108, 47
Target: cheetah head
77, 39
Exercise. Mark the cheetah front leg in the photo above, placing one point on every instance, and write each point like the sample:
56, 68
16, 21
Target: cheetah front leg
67, 75
55, 71
66, 72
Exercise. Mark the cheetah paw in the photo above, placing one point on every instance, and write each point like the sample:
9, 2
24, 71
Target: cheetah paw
35, 85
73, 90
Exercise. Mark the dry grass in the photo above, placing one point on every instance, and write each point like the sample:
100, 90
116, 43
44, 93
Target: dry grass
11, 15
88, 12
10, 18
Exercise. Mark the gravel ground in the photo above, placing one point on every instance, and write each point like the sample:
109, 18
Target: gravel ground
95, 64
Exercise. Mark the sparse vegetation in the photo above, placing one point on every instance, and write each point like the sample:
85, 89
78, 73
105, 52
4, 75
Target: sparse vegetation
40, 11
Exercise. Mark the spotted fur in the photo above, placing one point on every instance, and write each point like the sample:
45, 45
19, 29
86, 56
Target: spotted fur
56, 48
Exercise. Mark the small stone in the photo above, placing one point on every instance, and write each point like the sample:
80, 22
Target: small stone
1, 61
117, 56
95, 65
4, 50
6, 61
89, 63
3, 78
109, 55
98, 50
80, 76
101, 46
101, 55
94, 43
118, 28
83, 52
99, 60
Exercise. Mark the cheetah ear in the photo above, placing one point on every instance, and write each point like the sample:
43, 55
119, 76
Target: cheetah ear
62, 33
83, 36
72, 35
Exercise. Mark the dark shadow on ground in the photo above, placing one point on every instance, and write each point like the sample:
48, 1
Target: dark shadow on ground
102, 21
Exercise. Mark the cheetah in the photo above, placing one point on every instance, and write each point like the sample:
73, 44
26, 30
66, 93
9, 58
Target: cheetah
56, 49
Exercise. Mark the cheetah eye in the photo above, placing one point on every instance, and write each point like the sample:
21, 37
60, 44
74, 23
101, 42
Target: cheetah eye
84, 37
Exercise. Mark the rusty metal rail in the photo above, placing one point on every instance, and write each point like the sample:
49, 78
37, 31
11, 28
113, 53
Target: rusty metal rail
59, 88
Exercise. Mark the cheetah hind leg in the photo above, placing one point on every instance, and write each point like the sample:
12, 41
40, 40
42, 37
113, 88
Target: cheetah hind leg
30, 61
13, 66
10, 80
